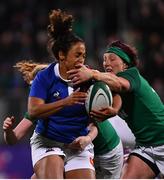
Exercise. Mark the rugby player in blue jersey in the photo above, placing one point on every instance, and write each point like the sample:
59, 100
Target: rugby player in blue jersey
107, 145
29, 69
59, 108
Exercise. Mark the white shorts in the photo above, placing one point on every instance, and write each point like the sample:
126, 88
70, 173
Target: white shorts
109, 165
152, 156
42, 147
123, 131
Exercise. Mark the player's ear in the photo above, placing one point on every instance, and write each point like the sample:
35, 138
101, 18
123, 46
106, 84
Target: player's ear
61, 56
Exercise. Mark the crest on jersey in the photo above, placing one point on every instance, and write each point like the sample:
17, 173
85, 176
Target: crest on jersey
56, 94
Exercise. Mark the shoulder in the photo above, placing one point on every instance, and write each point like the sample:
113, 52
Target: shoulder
47, 73
131, 71
133, 76
48, 69
45, 77
43, 82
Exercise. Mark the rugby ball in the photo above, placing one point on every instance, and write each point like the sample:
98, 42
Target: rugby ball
99, 96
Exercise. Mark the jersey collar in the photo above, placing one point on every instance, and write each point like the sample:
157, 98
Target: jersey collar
57, 73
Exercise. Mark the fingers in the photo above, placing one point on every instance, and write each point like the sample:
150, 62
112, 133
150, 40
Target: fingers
79, 96
76, 81
12, 119
8, 123
80, 101
76, 140
78, 143
103, 109
75, 145
79, 66
77, 90
98, 115
72, 72
76, 97
74, 75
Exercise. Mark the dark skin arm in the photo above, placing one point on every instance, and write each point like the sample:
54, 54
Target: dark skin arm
37, 108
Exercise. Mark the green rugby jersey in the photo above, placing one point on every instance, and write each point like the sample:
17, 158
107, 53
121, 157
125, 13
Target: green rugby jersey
142, 109
107, 138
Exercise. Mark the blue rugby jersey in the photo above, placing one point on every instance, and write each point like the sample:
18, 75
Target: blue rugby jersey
68, 123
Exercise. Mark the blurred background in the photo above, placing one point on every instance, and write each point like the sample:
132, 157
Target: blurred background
23, 35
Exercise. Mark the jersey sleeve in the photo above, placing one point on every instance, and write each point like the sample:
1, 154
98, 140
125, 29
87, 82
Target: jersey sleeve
39, 86
133, 76
27, 116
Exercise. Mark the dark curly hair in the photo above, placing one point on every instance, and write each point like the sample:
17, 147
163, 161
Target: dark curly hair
61, 36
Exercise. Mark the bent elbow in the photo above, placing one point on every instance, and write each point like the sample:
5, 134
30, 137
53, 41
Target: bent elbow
117, 87
33, 113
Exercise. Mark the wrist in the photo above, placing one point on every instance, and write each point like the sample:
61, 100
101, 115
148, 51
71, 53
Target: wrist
64, 102
95, 75
90, 138
115, 112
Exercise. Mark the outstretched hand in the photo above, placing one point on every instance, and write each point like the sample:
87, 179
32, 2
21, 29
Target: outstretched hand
80, 143
76, 97
103, 113
80, 74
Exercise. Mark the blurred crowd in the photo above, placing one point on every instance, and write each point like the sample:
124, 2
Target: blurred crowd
23, 36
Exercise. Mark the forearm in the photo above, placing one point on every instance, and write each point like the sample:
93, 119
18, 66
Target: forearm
23, 128
117, 103
45, 110
112, 80
47, 114
93, 131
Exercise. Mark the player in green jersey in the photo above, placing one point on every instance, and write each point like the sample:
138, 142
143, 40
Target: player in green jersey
142, 108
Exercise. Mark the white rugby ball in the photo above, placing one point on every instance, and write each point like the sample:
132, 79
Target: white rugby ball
99, 96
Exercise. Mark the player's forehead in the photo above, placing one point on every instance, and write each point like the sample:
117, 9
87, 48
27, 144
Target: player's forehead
78, 47
109, 56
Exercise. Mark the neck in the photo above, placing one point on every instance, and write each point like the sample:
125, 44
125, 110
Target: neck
63, 72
